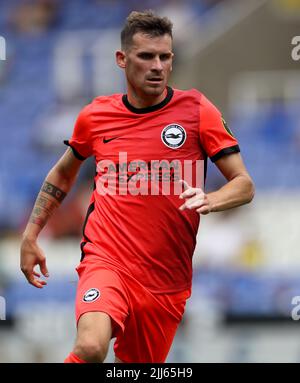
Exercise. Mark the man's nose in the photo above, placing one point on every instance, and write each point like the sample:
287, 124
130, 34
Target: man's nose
157, 65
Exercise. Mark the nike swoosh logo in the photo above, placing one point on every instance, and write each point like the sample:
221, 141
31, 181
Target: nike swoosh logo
105, 141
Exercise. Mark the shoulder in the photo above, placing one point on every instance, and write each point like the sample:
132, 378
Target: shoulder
189, 93
105, 101
98, 104
205, 105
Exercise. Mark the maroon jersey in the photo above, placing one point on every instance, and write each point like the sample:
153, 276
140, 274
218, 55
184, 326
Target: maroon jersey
140, 230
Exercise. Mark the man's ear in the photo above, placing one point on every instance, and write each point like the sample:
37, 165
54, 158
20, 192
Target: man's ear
121, 59
172, 62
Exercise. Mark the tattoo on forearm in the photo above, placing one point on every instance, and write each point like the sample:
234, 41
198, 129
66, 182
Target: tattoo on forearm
54, 191
43, 202
42, 210
37, 218
44, 206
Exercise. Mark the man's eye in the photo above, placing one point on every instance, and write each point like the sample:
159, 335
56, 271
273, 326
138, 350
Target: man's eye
165, 57
145, 56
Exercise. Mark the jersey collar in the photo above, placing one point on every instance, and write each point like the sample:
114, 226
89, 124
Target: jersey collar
148, 109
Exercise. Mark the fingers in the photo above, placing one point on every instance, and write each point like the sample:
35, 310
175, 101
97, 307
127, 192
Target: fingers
30, 276
185, 184
188, 193
33, 277
195, 197
203, 210
39, 283
193, 203
43, 267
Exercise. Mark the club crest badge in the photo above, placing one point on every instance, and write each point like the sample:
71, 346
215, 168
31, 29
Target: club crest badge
91, 295
173, 136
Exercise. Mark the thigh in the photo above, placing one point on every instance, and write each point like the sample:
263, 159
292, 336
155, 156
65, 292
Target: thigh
94, 325
150, 327
100, 290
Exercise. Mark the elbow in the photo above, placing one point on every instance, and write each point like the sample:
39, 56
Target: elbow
62, 178
250, 190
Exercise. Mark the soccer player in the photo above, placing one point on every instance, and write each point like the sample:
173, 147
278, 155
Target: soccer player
135, 271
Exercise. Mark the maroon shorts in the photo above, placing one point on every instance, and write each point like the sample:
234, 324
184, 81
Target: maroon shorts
143, 323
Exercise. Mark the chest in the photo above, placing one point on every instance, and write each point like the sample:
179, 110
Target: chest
161, 135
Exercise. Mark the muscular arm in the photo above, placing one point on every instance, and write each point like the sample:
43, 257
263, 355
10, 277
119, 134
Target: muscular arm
239, 189
54, 189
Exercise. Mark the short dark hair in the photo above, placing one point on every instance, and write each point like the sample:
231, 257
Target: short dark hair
146, 22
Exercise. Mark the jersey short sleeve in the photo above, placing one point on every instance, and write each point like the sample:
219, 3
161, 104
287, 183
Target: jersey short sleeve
215, 136
80, 141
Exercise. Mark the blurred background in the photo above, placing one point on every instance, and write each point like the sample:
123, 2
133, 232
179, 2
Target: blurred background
59, 55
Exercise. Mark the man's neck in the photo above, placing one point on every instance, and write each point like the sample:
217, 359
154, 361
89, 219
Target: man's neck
145, 102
